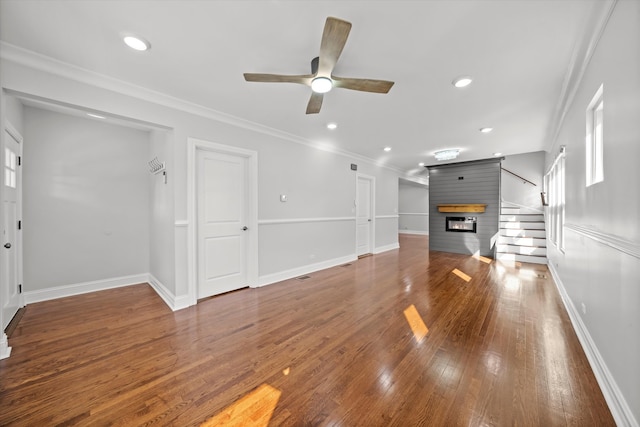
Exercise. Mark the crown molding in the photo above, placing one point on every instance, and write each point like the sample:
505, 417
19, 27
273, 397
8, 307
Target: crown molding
37, 61
580, 59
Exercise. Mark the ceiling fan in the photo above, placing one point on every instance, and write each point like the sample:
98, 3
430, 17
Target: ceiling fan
321, 79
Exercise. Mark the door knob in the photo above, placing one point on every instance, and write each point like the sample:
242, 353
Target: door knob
7, 245
245, 228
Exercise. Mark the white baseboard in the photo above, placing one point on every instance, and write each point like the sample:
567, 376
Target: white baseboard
301, 271
5, 350
83, 288
174, 303
420, 232
612, 394
386, 248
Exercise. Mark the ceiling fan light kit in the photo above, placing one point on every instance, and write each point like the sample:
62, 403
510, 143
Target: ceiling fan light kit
321, 80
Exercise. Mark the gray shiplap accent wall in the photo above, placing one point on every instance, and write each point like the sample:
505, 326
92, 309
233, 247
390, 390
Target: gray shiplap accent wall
481, 184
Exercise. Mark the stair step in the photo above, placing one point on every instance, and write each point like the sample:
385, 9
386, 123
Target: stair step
522, 225
521, 217
523, 241
508, 209
522, 233
521, 258
521, 250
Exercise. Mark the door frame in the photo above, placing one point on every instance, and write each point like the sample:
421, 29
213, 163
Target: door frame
7, 127
372, 213
194, 145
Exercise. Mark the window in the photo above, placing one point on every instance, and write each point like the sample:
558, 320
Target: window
554, 186
9, 168
595, 139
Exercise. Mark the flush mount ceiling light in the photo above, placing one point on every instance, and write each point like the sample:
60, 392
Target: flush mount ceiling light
446, 154
321, 85
462, 81
387, 148
137, 43
486, 130
332, 126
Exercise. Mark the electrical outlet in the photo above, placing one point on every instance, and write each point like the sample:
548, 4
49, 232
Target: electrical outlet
584, 308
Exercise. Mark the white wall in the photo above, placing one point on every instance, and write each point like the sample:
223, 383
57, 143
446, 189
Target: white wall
513, 189
85, 200
599, 266
319, 184
413, 206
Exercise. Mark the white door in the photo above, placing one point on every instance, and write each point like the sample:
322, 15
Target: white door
364, 216
222, 200
11, 300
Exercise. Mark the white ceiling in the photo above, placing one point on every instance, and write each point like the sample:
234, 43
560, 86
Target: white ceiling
518, 52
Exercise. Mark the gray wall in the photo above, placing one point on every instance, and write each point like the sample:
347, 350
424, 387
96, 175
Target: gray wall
85, 200
481, 184
601, 258
529, 166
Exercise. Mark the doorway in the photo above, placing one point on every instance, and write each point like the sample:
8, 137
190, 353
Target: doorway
223, 205
365, 218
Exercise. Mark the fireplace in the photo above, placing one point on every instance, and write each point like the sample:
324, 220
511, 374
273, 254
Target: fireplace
462, 224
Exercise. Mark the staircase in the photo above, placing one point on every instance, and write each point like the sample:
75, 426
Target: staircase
522, 235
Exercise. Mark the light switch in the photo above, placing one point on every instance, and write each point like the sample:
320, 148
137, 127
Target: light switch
283, 197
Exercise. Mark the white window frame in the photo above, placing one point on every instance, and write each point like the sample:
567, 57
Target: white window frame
554, 182
595, 139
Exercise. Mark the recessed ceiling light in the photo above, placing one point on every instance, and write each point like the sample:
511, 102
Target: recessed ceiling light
387, 148
137, 43
421, 164
486, 130
321, 85
497, 154
95, 116
462, 81
332, 126
446, 154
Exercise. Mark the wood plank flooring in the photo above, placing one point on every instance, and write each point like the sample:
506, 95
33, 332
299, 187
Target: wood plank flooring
338, 347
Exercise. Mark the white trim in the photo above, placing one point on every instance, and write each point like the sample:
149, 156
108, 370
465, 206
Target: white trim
386, 248
414, 213
194, 145
615, 242
305, 220
387, 216
181, 223
56, 67
580, 58
5, 350
83, 288
420, 232
305, 269
612, 394
174, 303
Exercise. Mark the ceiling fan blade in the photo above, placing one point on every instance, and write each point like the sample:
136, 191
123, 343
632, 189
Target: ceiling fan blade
364, 85
278, 78
315, 102
334, 38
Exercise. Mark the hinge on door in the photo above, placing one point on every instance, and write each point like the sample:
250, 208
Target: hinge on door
19, 160
20, 225
20, 288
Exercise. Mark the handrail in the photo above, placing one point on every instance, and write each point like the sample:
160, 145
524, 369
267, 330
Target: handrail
516, 175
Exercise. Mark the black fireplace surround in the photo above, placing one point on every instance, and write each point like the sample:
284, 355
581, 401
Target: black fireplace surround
462, 224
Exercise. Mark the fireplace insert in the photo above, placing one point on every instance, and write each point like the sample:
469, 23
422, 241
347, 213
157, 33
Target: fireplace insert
462, 224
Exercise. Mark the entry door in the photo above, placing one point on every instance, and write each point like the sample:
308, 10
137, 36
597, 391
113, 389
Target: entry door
10, 239
222, 217
364, 216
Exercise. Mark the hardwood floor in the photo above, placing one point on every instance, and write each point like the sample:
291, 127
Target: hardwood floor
337, 348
